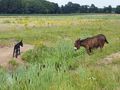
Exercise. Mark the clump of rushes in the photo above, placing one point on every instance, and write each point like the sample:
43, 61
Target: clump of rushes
13, 63
29, 81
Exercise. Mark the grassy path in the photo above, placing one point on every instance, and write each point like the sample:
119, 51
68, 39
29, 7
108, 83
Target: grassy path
6, 54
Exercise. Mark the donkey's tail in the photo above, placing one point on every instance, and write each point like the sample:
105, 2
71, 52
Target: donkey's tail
106, 41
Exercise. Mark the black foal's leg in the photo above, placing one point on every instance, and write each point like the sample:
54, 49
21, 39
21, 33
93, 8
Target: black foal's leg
16, 53
19, 51
13, 52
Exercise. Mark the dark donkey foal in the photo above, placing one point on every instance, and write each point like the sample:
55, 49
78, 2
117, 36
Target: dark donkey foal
97, 41
16, 50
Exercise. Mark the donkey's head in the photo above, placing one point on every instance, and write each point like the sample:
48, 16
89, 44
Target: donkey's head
77, 44
21, 43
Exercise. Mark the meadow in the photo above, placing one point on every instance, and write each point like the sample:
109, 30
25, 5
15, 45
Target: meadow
53, 64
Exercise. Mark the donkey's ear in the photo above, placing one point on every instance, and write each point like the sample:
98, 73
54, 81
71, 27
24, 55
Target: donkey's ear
21, 40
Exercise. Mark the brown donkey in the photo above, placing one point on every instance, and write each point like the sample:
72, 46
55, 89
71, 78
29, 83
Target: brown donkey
90, 43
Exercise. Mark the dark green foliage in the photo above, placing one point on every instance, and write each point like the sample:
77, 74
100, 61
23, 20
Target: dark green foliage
107, 9
84, 9
118, 9
46, 7
93, 9
27, 7
71, 8
76, 8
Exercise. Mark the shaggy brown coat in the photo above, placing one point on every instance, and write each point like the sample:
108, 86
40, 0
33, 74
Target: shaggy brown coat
90, 43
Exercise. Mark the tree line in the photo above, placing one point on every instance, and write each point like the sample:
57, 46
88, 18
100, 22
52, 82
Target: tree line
46, 7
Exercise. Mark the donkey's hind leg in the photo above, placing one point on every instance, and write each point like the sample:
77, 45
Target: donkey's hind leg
88, 51
14, 52
18, 51
101, 46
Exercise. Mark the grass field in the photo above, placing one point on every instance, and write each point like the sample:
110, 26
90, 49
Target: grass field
53, 63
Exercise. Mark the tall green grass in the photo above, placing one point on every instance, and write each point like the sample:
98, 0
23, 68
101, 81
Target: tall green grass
53, 64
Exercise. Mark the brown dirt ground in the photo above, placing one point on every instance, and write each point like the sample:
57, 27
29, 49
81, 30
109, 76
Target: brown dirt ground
7, 52
109, 59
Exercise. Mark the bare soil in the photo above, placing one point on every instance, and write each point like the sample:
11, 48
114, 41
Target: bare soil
110, 59
6, 54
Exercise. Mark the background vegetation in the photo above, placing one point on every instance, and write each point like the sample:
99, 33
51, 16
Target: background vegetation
53, 64
46, 7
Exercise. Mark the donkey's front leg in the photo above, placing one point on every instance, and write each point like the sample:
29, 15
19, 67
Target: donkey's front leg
14, 52
18, 51
88, 51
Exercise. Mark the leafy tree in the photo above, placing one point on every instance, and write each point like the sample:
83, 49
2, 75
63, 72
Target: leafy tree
118, 9
70, 8
84, 9
46, 7
93, 9
28, 6
107, 9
